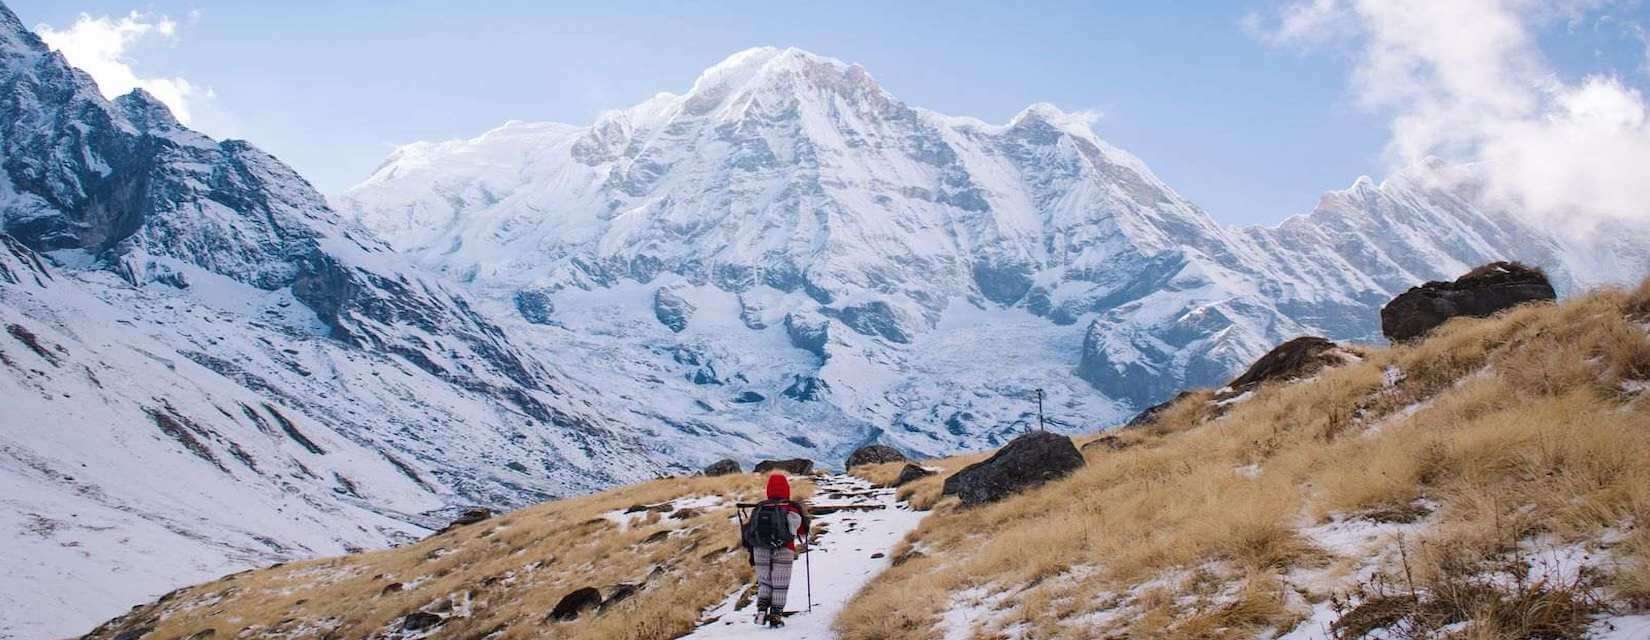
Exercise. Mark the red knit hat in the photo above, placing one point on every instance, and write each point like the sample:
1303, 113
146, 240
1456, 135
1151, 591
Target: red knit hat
778, 487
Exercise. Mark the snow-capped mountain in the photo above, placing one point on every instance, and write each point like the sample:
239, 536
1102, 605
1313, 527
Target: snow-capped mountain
205, 368
794, 229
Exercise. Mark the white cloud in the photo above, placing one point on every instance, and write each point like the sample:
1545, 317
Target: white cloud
1465, 81
100, 45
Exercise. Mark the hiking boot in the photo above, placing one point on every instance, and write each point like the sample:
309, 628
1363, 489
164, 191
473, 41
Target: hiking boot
776, 619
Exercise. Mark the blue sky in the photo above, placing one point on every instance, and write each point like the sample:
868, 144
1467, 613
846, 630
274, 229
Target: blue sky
1250, 127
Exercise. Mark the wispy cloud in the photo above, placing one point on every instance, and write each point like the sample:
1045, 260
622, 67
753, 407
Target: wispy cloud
101, 46
1465, 81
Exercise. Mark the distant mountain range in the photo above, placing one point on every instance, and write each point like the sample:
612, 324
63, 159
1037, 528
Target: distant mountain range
797, 230
207, 367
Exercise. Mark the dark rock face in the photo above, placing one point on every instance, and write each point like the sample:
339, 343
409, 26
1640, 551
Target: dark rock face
672, 310
419, 621
1004, 283
620, 593
575, 603
794, 466
1151, 413
749, 397
874, 454
535, 306
727, 466
1295, 359
911, 473
809, 334
1480, 293
805, 389
876, 318
1028, 461
472, 516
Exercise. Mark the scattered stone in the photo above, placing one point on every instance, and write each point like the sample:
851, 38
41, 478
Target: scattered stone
1028, 461
1292, 360
1149, 416
575, 603
657, 537
1107, 443
1480, 293
911, 473
829, 509
393, 587
794, 466
908, 556
420, 620
876, 555
620, 593
472, 516
749, 397
874, 454
684, 514
726, 466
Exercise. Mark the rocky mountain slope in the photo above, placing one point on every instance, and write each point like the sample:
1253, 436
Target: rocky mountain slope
1485, 482
204, 367
788, 238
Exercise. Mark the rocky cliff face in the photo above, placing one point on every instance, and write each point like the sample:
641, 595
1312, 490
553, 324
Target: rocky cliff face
791, 187
205, 367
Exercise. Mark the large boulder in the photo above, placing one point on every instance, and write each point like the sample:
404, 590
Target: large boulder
794, 466
725, 466
575, 603
874, 454
1028, 461
1481, 292
911, 473
1292, 360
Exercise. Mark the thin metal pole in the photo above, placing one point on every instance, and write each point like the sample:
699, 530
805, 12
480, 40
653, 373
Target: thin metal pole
1040, 426
808, 565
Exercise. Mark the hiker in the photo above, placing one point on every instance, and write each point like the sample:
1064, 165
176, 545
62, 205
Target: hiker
778, 526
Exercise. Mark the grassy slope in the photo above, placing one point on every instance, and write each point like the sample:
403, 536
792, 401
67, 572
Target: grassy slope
1502, 435
1530, 426
507, 572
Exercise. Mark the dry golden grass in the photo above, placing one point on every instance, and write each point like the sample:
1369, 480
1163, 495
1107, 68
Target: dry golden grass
508, 571
1532, 423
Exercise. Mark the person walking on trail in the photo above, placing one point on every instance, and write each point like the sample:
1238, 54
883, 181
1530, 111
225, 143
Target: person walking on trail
777, 528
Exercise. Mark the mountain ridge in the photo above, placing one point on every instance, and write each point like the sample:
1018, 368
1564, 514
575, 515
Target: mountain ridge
783, 180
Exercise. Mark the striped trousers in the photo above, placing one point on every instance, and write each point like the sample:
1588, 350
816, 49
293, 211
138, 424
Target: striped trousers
773, 576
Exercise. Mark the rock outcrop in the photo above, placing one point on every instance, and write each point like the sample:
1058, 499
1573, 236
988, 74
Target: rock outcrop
911, 473
794, 466
575, 603
1028, 461
1292, 360
874, 454
723, 467
1480, 293
672, 310
1151, 413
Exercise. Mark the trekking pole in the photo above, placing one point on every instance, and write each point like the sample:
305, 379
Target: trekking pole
808, 567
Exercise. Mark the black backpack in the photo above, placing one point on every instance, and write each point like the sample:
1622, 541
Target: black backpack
769, 526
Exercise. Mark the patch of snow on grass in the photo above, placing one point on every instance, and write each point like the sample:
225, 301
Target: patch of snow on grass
854, 548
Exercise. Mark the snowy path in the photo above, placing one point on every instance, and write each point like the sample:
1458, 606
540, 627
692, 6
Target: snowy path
842, 563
